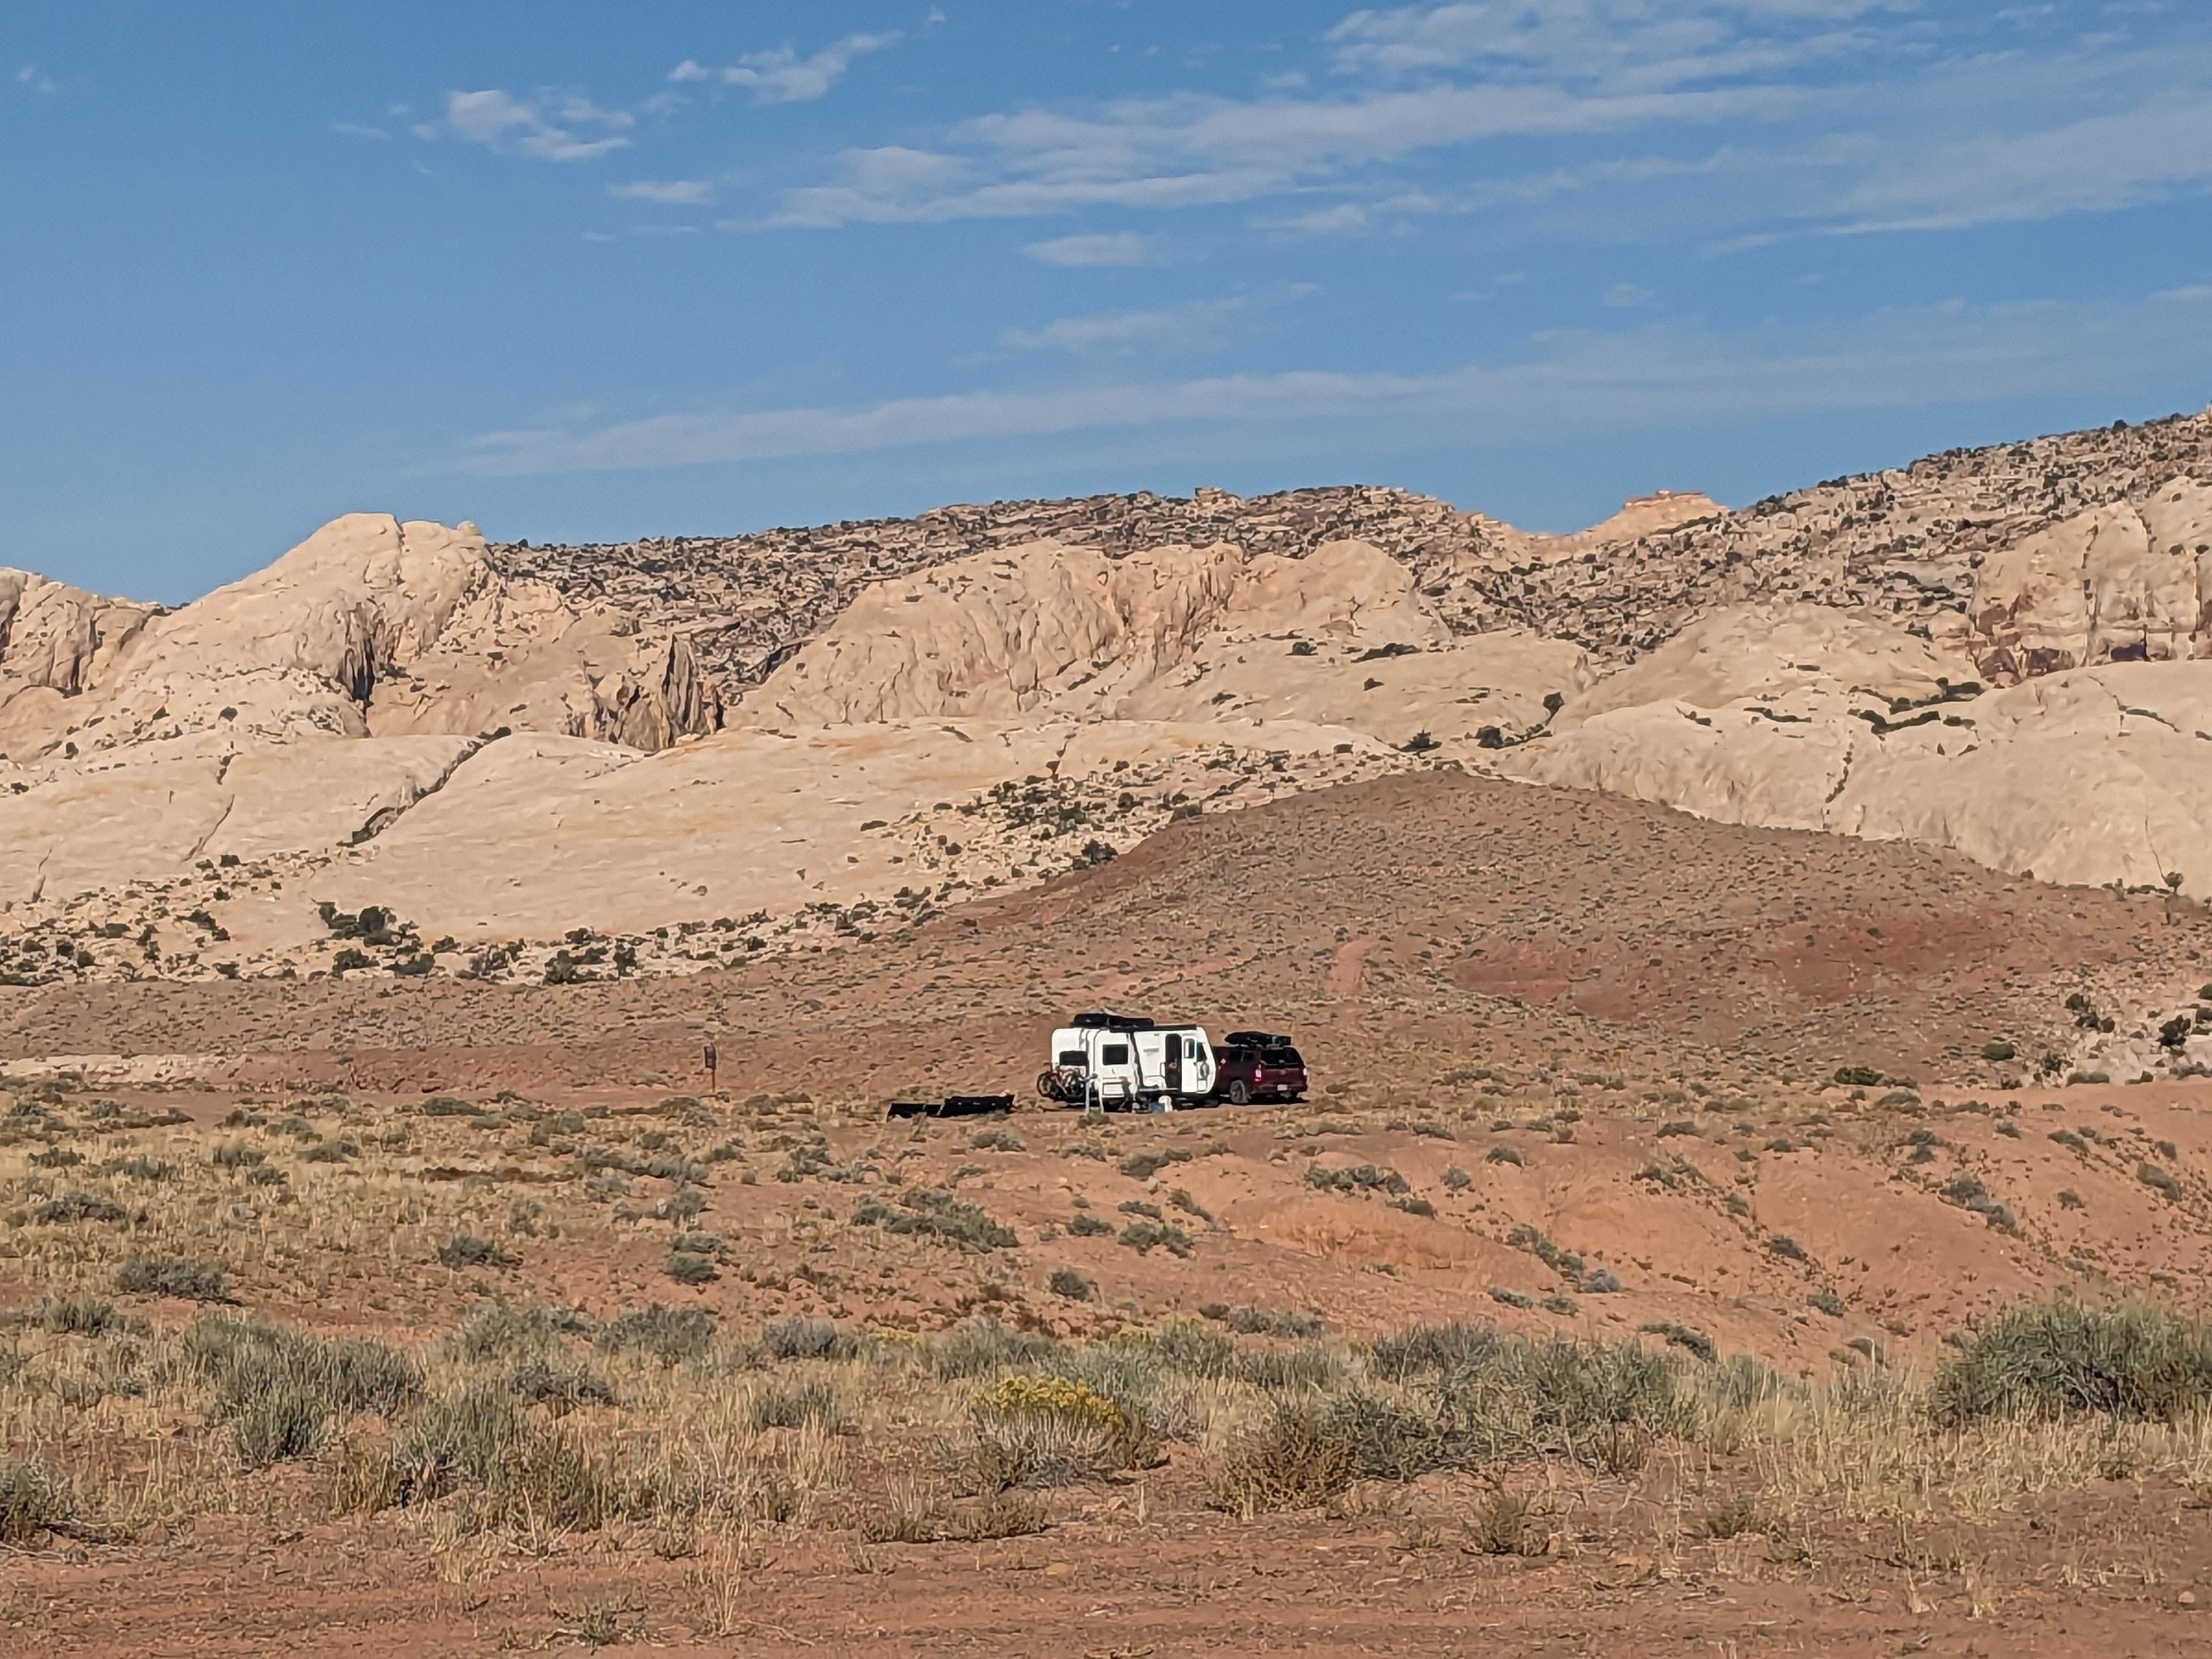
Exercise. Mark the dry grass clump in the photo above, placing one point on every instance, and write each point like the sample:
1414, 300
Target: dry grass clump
34, 1502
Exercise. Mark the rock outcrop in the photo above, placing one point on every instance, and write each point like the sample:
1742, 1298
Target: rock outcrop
369, 626
2130, 581
1341, 636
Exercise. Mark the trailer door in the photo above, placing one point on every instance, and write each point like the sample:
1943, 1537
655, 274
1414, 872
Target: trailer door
1174, 1061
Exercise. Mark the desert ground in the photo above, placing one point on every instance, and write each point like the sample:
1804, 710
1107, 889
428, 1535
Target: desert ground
1755, 1193
1666, 1252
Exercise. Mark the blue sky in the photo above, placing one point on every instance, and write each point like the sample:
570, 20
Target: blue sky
597, 272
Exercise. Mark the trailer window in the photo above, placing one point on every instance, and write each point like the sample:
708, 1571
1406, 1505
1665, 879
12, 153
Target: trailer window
1114, 1054
1073, 1057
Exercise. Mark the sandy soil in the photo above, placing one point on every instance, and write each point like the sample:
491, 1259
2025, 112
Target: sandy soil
1566, 1024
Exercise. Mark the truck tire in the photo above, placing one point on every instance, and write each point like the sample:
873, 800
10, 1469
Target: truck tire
1239, 1093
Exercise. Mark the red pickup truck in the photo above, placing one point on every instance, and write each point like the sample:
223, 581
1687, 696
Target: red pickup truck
1249, 1066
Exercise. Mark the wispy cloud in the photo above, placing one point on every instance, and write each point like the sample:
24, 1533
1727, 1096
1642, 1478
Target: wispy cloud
666, 192
1116, 247
782, 76
36, 79
1195, 151
354, 130
549, 127
1435, 109
2160, 146
1197, 323
1569, 384
1621, 43
1345, 219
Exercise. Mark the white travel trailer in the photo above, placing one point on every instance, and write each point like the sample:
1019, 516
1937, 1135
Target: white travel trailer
1110, 1061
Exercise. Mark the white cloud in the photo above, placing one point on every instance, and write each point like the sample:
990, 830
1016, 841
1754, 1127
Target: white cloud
1201, 151
516, 126
1195, 322
1626, 297
353, 129
1115, 247
667, 192
2160, 148
30, 76
1346, 219
1623, 44
1916, 121
782, 76
1568, 384
2195, 293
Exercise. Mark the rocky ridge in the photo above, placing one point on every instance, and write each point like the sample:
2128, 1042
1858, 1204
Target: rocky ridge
1907, 542
549, 762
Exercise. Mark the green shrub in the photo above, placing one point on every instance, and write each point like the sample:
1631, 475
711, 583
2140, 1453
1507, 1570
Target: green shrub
1419, 1348
1143, 1236
69, 1208
80, 1315
34, 1502
799, 1337
560, 1389
173, 1276
686, 1269
2158, 1180
1001, 1514
1069, 1283
1143, 1166
2134, 1361
1358, 1177
669, 1334
1086, 1225
503, 1330
1682, 1337
981, 1346
277, 1424
277, 1388
465, 1250
1263, 1321
792, 1406
931, 1213
1033, 1430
